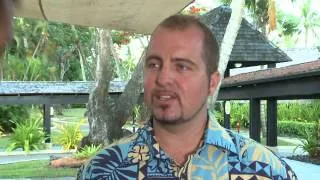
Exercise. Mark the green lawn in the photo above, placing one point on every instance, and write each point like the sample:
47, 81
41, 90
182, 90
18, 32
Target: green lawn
35, 169
74, 112
72, 115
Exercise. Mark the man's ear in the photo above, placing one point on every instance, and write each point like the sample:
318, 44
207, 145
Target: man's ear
214, 81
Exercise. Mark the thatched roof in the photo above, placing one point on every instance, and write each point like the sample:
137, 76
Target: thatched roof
251, 47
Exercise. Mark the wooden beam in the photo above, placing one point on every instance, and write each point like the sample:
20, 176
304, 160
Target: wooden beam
299, 88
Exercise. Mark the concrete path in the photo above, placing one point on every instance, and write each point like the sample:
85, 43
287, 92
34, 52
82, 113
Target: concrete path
304, 171
14, 157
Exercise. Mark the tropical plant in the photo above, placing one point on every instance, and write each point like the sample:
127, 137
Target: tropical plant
303, 26
88, 151
69, 135
12, 113
294, 128
311, 143
240, 113
299, 111
1, 131
27, 135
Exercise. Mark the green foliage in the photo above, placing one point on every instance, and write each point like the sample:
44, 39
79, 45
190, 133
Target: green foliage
302, 112
218, 115
69, 135
136, 117
27, 135
88, 152
311, 141
294, 128
121, 37
240, 113
47, 51
289, 24
1, 131
12, 113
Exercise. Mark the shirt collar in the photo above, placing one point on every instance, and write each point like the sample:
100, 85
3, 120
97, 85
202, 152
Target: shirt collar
213, 135
218, 136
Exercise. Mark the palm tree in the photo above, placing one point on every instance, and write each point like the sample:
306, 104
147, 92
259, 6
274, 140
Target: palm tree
229, 38
300, 27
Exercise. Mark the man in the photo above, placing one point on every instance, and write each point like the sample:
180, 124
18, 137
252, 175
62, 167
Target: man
180, 141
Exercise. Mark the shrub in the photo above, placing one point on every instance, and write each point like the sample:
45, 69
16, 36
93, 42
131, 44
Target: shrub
69, 135
27, 135
10, 114
308, 111
294, 128
87, 152
1, 131
240, 113
311, 143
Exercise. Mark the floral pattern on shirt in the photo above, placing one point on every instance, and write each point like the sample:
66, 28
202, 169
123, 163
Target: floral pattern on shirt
223, 155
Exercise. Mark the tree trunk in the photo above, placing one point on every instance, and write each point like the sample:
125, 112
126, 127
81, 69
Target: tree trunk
105, 122
99, 116
229, 38
81, 58
129, 97
3, 61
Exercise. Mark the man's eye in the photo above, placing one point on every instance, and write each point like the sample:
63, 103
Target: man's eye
182, 67
153, 65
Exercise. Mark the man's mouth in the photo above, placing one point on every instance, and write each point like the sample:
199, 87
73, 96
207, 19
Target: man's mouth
164, 98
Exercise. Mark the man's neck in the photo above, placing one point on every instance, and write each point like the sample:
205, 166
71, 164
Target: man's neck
180, 140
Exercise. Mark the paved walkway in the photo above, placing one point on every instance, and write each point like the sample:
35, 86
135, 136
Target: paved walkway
304, 171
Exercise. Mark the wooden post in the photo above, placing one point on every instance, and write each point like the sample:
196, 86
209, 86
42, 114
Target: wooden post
254, 125
272, 122
226, 112
47, 122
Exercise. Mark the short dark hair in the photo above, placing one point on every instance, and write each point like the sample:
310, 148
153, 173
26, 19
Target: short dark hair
210, 45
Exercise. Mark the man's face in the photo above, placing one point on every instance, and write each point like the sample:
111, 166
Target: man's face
176, 84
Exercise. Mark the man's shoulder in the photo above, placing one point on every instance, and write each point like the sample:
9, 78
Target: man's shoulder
118, 148
253, 154
248, 149
111, 158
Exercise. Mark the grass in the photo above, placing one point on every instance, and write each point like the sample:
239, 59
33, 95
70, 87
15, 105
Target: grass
74, 112
34, 169
72, 115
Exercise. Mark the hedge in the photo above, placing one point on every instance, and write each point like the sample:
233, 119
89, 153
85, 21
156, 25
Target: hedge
295, 128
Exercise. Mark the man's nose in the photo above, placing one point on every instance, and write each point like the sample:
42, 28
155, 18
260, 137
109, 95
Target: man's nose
164, 76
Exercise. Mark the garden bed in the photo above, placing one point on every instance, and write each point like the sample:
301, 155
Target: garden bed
305, 158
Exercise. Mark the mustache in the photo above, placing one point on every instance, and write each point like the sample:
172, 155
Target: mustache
159, 92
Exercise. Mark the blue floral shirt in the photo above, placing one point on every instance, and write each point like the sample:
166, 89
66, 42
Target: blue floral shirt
222, 155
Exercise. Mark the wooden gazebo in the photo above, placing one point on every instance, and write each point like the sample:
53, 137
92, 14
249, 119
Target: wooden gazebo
251, 47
